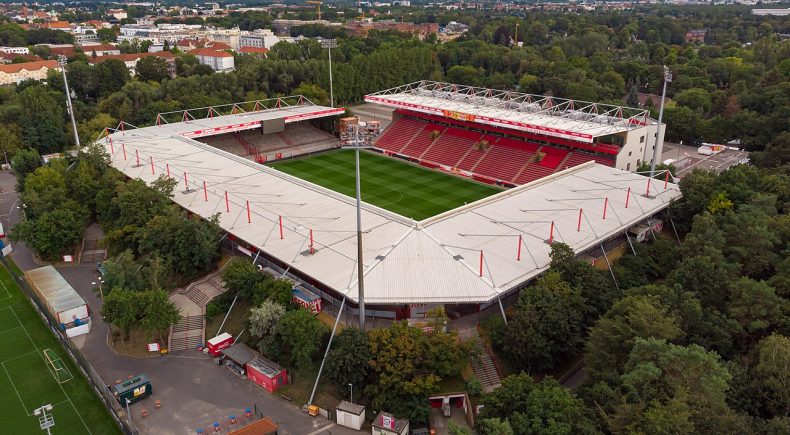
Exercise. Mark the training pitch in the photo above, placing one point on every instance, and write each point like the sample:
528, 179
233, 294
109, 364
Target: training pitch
35, 371
397, 186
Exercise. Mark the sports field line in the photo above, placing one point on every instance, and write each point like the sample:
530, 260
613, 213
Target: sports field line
8, 293
17, 357
56, 381
10, 379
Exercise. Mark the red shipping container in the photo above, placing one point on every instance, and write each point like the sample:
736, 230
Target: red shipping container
267, 374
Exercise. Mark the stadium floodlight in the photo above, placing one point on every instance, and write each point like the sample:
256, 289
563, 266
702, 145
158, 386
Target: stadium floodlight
353, 140
658, 146
329, 44
69, 107
45, 421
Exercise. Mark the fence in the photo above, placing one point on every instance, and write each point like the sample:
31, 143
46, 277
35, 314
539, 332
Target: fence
98, 384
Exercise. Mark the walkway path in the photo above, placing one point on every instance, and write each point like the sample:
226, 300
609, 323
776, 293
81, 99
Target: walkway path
483, 367
190, 331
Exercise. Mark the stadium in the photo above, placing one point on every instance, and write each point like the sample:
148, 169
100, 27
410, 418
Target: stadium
463, 192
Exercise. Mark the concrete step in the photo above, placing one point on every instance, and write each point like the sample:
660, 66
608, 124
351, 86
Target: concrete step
188, 323
186, 343
198, 297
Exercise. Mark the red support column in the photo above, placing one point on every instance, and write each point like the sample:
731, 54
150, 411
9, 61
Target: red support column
666, 179
152, 166
167, 165
627, 197
227, 203
123, 146
186, 181
123, 131
249, 217
112, 148
481, 262
312, 251
205, 191
281, 228
605, 206
551, 233
518, 254
137, 156
579, 225
647, 192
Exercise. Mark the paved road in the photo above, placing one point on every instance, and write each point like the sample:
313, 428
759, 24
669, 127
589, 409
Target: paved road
193, 390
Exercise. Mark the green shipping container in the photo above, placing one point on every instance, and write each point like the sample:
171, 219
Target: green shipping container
135, 389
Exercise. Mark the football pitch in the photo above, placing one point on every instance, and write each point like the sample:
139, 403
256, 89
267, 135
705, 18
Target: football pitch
35, 371
397, 186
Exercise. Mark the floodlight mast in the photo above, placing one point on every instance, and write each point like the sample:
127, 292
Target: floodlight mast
45, 421
658, 146
69, 107
353, 140
330, 44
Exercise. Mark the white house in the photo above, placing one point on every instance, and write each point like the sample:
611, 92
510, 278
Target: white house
15, 50
260, 38
218, 60
18, 72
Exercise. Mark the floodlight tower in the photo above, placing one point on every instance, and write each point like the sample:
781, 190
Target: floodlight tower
657, 147
329, 44
69, 107
45, 421
352, 139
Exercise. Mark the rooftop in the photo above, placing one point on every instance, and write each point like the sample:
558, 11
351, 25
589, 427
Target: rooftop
240, 352
59, 295
351, 408
546, 115
15, 68
402, 257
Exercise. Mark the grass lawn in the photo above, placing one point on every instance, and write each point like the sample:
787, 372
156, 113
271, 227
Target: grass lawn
28, 381
237, 320
397, 186
302, 379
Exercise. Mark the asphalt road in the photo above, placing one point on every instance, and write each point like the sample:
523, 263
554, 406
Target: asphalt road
194, 392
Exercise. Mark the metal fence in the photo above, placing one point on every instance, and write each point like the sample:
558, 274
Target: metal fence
98, 384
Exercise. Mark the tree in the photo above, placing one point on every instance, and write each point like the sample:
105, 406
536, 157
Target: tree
695, 99
241, 276
264, 318
548, 324
111, 75
313, 93
53, 232
348, 359
107, 35
158, 312
152, 68
400, 374
772, 374
42, 121
596, 288
301, 333
25, 161
455, 429
121, 309
611, 339
495, 426
201, 70
10, 141
189, 243
529, 407
756, 308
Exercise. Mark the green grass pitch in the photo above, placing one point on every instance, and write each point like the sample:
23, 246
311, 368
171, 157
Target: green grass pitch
26, 382
397, 186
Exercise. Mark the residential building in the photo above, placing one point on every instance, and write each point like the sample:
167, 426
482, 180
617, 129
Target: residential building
253, 51
86, 39
260, 38
696, 35
15, 50
90, 50
118, 14
362, 28
131, 60
774, 12
57, 25
18, 72
218, 60
225, 36
283, 27
11, 57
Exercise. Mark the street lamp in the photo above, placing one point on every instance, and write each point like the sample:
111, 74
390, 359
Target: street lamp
101, 293
659, 145
352, 391
330, 44
45, 421
69, 107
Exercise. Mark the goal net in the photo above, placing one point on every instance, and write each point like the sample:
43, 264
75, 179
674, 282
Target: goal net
57, 367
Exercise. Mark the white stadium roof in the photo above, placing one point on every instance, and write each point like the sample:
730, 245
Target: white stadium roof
549, 116
433, 261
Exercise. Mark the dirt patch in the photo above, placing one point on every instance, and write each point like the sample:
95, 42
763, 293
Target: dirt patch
136, 345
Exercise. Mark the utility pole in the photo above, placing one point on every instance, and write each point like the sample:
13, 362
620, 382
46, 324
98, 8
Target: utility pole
330, 44
659, 145
69, 107
516, 40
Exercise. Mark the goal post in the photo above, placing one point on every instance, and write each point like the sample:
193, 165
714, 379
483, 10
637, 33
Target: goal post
57, 367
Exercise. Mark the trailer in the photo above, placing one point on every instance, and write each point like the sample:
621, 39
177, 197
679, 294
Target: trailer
132, 390
60, 299
216, 344
266, 373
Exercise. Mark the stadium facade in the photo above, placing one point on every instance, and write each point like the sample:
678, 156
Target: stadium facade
474, 255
